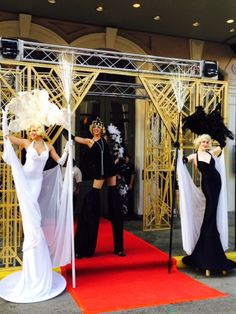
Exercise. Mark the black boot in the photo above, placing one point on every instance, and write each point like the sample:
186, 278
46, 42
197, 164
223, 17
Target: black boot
87, 225
116, 214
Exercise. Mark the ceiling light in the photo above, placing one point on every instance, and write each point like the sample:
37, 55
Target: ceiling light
230, 21
136, 5
52, 1
232, 30
157, 18
99, 9
196, 24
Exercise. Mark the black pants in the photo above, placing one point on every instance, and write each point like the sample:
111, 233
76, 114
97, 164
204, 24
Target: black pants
116, 214
88, 222
87, 225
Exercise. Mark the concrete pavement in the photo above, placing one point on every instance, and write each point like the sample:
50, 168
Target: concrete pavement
64, 304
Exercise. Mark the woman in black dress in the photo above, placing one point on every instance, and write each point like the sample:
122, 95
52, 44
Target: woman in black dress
208, 254
88, 219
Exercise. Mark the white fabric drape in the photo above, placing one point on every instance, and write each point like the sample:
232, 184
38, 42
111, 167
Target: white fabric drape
56, 215
192, 206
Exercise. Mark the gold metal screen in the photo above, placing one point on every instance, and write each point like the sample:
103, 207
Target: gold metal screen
160, 132
16, 77
161, 122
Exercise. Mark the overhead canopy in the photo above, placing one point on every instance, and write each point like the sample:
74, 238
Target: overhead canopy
176, 17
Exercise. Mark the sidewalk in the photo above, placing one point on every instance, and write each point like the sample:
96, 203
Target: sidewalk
64, 304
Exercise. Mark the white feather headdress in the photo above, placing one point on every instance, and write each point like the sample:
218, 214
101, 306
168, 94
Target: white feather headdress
32, 108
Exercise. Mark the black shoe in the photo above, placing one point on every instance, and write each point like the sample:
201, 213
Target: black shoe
89, 255
79, 256
120, 253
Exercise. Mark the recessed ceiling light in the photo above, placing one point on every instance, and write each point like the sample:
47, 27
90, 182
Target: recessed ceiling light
52, 1
157, 18
99, 9
230, 21
136, 5
232, 30
196, 24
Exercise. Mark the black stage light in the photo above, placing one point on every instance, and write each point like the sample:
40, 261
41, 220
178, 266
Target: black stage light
210, 69
233, 47
9, 48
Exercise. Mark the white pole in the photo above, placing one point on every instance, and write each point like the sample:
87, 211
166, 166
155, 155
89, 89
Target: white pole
71, 198
66, 77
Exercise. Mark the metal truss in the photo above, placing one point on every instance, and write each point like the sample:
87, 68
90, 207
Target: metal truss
110, 60
118, 89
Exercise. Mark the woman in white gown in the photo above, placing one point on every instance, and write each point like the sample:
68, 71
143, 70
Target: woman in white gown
37, 281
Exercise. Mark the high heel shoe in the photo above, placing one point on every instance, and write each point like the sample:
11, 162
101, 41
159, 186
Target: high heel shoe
120, 253
208, 273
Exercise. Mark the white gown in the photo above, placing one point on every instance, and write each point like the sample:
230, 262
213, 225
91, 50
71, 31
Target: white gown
37, 281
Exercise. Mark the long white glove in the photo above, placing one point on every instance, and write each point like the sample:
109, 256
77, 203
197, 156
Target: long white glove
5, 129
63, 158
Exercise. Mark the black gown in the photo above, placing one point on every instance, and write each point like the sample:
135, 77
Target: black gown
208, 253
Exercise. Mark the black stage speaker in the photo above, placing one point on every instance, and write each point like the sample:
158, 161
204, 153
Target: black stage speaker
210, 69
9, 48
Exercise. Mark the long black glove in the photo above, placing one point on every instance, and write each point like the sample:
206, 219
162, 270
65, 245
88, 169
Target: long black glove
177, 144
185, 160
222, 145
66, 135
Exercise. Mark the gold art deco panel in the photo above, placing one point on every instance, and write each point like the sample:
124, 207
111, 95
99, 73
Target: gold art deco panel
161, 122
25, 77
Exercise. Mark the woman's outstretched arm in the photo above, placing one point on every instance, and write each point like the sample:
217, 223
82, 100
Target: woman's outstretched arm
216, 151
60, 160
18, 141
85, 141
78, 139
6, 133
189, 158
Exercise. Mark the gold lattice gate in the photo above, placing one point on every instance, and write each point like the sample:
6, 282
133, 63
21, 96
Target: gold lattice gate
161, 122
15, 77
160, 133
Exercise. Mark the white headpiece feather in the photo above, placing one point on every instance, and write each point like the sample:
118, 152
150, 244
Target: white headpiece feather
34, 107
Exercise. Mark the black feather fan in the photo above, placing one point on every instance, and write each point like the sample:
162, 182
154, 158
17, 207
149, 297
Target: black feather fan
212, 123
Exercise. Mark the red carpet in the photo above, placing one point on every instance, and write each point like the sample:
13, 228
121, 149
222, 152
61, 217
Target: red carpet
107, 282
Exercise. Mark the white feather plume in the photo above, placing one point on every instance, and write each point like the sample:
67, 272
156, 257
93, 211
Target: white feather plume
32, 108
